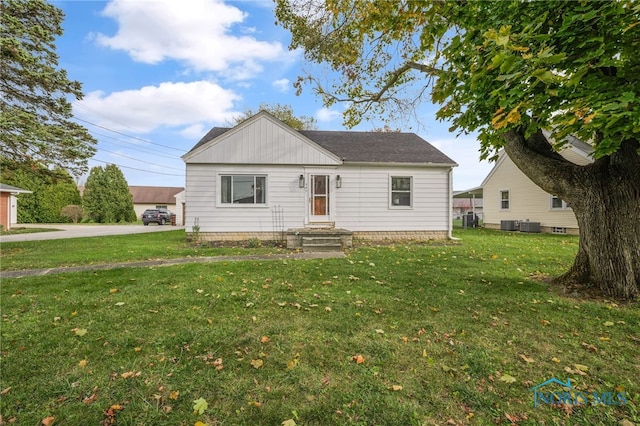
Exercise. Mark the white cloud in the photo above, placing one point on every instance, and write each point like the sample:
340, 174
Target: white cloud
282, 85
199, 33
166, 105
325, 114
464, 151
195, 131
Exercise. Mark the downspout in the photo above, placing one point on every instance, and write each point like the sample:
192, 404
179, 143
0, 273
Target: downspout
450, 204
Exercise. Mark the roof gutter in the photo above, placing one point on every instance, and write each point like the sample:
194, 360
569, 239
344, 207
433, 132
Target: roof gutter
396, 164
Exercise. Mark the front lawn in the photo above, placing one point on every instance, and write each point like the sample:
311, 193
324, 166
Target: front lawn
113, 249
404, 334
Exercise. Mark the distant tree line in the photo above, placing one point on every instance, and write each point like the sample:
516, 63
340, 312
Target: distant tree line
55, 196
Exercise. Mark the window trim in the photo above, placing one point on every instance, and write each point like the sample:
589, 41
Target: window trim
243, 205
501, 200
410, 191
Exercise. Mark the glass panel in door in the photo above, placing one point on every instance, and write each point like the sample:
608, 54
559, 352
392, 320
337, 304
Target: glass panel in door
319, 195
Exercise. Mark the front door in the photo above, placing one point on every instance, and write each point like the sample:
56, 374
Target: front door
319, 198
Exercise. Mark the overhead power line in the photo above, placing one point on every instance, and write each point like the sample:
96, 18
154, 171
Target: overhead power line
134, 168
141, 161
129, 136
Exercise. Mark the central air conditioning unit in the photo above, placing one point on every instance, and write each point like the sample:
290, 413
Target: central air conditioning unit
533, 227
508, 225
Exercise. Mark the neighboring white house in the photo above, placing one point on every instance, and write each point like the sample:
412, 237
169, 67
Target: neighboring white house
263, 177
511, 198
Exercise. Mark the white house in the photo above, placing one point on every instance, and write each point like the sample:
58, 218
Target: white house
513, 202
263, 178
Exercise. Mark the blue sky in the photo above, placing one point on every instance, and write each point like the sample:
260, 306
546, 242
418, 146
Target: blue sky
158, 74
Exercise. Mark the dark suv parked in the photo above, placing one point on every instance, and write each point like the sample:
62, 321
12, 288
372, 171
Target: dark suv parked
159, 216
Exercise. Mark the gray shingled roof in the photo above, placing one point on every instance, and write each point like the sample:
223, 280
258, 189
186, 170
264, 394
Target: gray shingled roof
366, 147
154, 194
8, 188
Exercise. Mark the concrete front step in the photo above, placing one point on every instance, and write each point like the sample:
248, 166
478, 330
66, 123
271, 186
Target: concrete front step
321, 243
319, 240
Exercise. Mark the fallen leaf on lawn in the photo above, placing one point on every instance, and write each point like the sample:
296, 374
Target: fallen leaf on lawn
264, 339
604, 339
526, 358
556, 360
5, 391
327, 308
359, 359
82, 363
257, 363
608, 324
572, 371
200, 405
507, 378
292, 364
581, 367
130, 374
80, 331
120, 304
48, 421
289, 422
199, 423
90, 399
395, 388
589, 347
174, 394
113, 290
380, 331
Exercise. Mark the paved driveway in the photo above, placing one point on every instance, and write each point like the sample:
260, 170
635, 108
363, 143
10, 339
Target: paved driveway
83, 230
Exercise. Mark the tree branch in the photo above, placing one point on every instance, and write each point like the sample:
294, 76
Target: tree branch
546, 168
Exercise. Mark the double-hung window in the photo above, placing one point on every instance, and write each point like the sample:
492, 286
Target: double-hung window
504, 199
401, 189
243, 189
558, 203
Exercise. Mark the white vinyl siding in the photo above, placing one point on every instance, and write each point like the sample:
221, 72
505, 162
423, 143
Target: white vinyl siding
361, 204
526, 199
263, 142
204, 201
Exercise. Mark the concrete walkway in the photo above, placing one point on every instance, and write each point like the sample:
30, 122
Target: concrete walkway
169, 262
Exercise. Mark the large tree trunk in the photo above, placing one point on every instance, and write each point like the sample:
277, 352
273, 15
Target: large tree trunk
605, 197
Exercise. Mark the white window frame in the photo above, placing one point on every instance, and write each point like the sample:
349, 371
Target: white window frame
243, 205
508, 199
564, 205
410, 191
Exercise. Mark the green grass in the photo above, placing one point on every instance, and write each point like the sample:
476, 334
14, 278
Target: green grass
112, 249
447, 323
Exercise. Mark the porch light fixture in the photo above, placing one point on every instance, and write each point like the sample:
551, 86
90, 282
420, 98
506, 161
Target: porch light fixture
338, 182
301, 181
